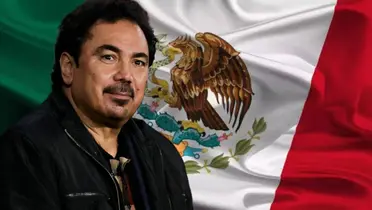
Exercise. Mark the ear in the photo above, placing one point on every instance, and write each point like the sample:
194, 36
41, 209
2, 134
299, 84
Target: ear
68, 65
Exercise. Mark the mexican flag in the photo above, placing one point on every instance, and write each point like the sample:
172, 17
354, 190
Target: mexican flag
278, 116
302, 77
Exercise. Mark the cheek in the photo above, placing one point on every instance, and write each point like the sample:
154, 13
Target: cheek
99, 79
94, 77
141, 80
97, 84
91, 84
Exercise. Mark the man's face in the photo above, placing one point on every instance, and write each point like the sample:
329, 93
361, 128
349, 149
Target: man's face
113, 67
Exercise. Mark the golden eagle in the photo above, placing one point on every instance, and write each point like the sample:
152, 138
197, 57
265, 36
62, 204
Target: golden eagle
218, 68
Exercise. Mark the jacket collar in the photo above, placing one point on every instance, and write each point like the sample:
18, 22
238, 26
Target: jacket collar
73, 126
139, 144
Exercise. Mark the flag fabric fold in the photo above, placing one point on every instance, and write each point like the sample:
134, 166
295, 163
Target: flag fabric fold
280, 42
327, 165
304, 142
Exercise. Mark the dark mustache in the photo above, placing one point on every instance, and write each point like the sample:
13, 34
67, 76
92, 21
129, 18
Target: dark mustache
120, 88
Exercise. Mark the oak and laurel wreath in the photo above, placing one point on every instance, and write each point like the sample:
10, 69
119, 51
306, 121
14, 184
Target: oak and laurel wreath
221, 161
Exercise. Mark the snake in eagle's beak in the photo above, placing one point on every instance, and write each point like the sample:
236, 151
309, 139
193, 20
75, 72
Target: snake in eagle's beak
171, 51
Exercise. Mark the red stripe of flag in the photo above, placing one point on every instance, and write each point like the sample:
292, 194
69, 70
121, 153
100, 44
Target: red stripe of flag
329, 165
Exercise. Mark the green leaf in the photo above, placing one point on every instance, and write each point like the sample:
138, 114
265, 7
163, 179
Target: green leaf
254, 125
259, 126
250, 133
192, 164
192, 172
243, 147
161, 37
192, 167
220, 162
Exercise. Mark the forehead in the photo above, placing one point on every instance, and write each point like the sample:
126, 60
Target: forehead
123, 34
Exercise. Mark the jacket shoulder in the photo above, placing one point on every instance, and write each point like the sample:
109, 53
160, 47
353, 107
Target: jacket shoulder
173, 162
38, 128
153, 135
169, 150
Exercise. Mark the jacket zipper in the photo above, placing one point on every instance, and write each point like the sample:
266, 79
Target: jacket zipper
82, 194
162, 169
112, 178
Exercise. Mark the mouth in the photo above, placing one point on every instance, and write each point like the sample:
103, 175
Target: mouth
122, 95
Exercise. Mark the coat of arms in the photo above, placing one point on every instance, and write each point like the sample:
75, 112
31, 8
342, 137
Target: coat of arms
206, 64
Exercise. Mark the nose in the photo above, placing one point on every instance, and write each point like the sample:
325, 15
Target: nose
124, 72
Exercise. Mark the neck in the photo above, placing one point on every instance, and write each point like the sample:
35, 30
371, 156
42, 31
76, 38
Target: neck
103, 135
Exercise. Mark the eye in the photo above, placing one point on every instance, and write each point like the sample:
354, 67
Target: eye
139, 63
108, 58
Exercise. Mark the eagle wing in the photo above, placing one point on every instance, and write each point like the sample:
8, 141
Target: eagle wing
183, 77
225, 73
188, 84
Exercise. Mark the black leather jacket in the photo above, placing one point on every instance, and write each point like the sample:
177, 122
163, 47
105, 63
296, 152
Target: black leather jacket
49, 161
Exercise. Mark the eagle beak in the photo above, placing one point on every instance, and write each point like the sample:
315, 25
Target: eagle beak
199, 35
170, 50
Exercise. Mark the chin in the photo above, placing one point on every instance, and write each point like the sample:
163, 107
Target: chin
116, 119
121, 109
119, 113
121, 102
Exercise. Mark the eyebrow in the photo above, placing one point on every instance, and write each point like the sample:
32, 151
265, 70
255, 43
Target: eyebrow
141, 55
107, 47
117, 50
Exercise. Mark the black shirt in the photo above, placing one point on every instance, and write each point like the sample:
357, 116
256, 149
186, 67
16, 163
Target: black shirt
128, 174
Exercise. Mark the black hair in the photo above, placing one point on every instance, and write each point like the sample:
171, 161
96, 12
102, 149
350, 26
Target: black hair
75, 27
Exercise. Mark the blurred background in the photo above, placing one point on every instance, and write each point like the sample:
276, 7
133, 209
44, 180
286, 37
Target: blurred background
28, 30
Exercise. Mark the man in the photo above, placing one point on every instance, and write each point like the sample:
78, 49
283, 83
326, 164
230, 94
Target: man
81, 149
